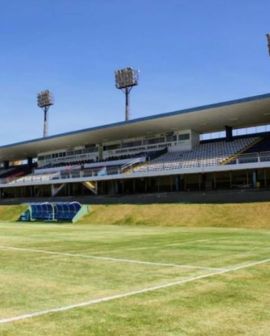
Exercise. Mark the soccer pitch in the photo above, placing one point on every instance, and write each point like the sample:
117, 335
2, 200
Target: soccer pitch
133, 280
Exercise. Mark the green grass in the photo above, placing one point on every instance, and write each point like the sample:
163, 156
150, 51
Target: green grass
235, 303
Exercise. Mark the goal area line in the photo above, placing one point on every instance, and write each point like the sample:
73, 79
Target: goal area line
111, 259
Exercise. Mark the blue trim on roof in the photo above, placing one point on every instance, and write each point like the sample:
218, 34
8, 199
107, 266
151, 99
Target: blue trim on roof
152, 117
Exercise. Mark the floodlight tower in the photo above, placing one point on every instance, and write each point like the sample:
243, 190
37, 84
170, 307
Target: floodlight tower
45, 99
268, 42
125, 79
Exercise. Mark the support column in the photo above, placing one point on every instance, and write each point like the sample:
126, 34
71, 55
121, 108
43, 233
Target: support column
199, 181
116, 187
146, 184
30, 161
100, 152
254, 179
230, 177
215, 181
177, 182
229, 135
185, 182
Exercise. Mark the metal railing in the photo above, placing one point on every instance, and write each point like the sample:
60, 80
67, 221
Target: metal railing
252, 158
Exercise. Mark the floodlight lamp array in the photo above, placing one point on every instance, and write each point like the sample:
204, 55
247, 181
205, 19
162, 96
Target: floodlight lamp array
45, 99
125, 78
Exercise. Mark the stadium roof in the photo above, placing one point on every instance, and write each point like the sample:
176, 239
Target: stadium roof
245, 112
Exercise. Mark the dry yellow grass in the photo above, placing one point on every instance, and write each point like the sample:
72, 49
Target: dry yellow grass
245, 215
11, 212
248, 215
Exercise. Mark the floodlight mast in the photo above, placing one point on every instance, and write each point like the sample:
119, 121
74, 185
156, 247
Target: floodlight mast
125, 79
45, 99
268, 42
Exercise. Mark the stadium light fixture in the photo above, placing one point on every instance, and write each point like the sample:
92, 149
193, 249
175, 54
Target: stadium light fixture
125, 79
45, 99
268, 42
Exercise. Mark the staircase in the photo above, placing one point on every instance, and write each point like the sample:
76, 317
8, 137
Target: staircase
91, 185
127, 168
243, 150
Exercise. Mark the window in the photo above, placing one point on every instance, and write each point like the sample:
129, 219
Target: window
111, 147
153, 141
170, 138
184, 137
90, 146
131, 144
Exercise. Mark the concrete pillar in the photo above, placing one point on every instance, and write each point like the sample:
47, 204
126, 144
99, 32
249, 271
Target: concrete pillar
230, 177
177, 183
100, 152
146, 184
200, 181
254, 179
215, 181
229, 135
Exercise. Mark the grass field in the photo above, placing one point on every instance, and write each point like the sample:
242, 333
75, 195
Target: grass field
93, 279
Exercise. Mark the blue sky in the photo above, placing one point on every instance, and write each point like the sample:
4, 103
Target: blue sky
189, 53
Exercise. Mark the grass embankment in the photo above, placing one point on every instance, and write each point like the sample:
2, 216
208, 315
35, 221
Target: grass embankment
247, 215
11, 213
252, 215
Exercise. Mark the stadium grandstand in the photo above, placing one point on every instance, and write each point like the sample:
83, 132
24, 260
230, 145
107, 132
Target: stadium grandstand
176, 151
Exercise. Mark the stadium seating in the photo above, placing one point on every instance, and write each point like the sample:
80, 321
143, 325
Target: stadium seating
35, 177
209, 153
261, 146
13, 173
259, 152
6, 172
205, 154
75, 171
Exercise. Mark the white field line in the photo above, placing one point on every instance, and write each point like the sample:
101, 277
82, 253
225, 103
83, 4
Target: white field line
132, 293
160, 246
86, 256
252, 252
188, 242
